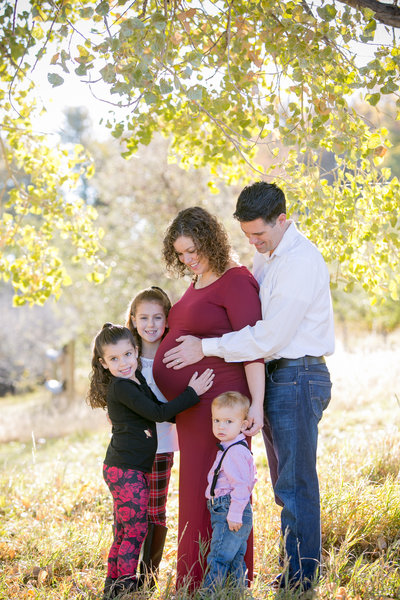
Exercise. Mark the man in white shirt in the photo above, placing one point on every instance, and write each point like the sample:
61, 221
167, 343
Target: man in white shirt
295, 333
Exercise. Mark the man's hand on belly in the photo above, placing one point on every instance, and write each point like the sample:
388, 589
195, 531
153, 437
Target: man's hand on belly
187, 353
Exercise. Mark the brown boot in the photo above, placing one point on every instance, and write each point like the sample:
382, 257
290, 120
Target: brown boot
152, 551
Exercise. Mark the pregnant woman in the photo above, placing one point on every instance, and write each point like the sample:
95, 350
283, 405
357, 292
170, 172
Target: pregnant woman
222, 297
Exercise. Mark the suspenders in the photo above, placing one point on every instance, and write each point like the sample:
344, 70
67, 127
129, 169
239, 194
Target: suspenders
218, 467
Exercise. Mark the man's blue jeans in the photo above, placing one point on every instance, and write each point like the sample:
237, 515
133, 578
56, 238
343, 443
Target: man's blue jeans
295, 398
227, 549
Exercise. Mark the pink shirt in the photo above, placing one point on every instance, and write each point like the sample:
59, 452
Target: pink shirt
237, 477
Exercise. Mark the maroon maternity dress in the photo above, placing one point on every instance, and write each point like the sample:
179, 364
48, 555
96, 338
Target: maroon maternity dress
229, 303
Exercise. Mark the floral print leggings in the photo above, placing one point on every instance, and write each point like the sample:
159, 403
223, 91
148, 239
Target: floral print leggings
130, 491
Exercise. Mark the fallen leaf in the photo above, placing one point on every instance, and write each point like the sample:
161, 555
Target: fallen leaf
42, 576
6, 551
341, 594
382, 544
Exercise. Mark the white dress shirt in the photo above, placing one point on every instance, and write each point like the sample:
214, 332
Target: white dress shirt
166, 432
297, 316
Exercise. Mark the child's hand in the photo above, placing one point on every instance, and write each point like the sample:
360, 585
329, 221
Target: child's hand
234, 526
202, 383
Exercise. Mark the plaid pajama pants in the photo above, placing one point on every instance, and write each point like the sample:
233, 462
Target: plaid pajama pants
159, 481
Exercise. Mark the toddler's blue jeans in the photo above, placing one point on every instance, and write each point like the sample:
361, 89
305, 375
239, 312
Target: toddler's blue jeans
227, 549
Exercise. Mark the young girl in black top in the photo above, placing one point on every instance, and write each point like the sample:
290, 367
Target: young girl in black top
117, 385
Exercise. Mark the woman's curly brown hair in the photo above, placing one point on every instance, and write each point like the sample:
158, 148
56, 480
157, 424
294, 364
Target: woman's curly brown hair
209, 238
100, 377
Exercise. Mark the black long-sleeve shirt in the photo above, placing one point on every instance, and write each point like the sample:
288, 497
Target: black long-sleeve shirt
133, 410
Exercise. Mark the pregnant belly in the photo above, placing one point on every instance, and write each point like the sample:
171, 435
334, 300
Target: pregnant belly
228, 376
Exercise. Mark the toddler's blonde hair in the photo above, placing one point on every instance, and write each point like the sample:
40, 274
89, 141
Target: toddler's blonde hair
232, 400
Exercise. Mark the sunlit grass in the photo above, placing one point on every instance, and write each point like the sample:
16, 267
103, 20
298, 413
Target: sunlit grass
56, 512
56, 525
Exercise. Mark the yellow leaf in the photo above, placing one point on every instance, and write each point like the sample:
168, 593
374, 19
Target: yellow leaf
377, 160
374, 141
67, 280
212, 187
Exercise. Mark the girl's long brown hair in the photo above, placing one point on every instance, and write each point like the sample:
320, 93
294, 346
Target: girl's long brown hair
99, 376
151, 294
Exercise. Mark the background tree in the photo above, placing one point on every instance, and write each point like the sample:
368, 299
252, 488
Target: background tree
232, 85
136, 200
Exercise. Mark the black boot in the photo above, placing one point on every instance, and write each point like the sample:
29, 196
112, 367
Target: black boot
152, 551
108, 586
123, 585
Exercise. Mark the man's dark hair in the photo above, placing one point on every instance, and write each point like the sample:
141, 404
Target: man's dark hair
260, 200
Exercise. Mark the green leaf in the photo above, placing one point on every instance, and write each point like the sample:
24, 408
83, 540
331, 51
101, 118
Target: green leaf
17, 50
195, 93
102, 8
82, 69
118, 130
86, 12
165, 87
55, 79
373, 99
150, 98
159, 21
108, 73
369, 31
389, 87
327, 12
129, 26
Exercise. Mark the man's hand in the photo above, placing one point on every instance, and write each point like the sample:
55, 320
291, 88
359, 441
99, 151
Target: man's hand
187, 353
234, 526
255, 419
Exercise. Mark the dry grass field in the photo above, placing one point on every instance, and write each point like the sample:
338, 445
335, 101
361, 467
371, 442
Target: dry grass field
55, 526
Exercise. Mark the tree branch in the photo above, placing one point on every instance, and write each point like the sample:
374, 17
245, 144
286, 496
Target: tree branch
388, 14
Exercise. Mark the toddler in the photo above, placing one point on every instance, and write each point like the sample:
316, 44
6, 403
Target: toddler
230, 483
